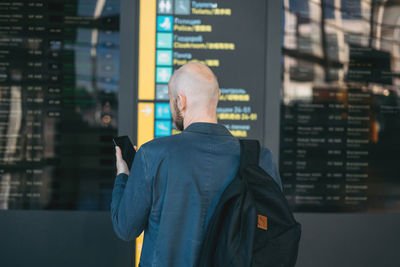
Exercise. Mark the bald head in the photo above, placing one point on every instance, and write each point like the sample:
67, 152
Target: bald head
194, 92
198, 83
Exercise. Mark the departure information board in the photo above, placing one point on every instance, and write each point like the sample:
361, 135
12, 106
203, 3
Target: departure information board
340, 117
227, 36
59, 63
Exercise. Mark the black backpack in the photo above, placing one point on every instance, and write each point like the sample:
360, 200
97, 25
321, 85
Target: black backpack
252, 224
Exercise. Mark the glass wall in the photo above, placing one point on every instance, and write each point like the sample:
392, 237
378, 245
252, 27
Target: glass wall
340, 112
59, 77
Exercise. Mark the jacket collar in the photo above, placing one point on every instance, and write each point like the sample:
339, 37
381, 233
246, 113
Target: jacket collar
208, 128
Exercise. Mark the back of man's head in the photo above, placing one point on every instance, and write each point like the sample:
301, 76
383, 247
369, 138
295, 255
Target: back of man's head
194, 94
198, 83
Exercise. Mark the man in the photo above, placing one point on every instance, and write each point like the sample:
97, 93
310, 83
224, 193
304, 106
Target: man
175, 182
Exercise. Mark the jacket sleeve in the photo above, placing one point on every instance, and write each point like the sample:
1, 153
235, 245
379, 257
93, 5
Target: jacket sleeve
131, 199
267, 162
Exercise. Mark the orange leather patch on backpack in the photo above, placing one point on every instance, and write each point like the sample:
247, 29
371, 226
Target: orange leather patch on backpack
262, 222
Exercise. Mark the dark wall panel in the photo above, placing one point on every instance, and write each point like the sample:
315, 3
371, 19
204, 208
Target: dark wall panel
61, 239
349, 240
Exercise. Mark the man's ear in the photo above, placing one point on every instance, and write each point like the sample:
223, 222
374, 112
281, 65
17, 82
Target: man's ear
182, 102
219, 93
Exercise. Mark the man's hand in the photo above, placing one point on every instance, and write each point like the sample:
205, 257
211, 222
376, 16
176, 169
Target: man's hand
121, 165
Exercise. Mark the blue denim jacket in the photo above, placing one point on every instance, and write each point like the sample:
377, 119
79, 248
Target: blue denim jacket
172, 191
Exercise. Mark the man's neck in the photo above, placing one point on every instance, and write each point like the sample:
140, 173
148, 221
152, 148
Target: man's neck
205, 119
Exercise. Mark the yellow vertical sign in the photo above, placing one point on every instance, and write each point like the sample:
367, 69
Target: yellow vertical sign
139, 244
145, 133
146, 83
147, 49
145, 127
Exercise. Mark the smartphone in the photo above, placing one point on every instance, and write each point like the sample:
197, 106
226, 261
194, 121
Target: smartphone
126, 146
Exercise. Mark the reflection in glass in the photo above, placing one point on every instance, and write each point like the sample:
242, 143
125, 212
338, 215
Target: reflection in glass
58, 96
340, 116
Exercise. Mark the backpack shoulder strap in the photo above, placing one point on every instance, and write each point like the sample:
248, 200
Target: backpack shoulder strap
249, 153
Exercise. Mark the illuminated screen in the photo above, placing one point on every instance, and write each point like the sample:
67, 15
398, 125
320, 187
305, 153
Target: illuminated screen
227, 36
340, 115
59, 77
